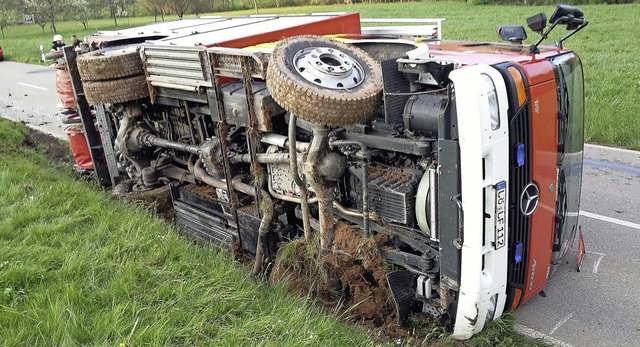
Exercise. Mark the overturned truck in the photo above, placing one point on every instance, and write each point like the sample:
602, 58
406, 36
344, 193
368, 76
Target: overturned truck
467, 156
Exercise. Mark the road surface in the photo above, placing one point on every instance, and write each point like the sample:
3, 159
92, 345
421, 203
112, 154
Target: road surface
598, 306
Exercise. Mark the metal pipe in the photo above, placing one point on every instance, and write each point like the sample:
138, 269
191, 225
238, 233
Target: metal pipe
189, 121
266, 207
353, 213
293, 165
283, 141
365, 180
152, 140
175, 86
287, 197
201, 173
324, 191
262, 158
432, 205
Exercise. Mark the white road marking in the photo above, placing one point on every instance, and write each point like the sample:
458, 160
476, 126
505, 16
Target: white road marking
613, 149
597, 263
560, 323
538, 335
610, 220
32, 86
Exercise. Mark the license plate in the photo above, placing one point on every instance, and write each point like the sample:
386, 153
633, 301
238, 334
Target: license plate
501, 204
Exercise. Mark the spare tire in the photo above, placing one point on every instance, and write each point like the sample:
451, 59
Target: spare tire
108, 64
324, 81
116, 91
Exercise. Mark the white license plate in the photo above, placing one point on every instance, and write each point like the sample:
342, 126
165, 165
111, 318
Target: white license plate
501, 213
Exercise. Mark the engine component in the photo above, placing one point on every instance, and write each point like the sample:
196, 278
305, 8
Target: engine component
116, 91
202, 216
391, 194
340, 102
234, 99
110, 64
423, 206
401, 285
421, 113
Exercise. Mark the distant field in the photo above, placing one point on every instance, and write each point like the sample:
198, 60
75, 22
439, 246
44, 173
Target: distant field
608, 46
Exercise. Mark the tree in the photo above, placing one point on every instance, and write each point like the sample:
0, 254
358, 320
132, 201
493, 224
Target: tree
8, 15
114, 9
157, 7
83, 10
201, 6
54, 7
180, 7
38, 9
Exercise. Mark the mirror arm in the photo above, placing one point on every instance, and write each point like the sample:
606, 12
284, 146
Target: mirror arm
571, 33
534, 48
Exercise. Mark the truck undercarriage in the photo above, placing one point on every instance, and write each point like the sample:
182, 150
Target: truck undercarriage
264, 140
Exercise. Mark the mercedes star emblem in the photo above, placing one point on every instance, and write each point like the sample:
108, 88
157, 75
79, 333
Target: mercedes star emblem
529, 199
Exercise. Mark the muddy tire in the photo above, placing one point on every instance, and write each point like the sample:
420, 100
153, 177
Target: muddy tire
327, 97
109, 64
116, 91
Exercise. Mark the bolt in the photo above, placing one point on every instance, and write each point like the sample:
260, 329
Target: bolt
329, 68
341, 55
314, 56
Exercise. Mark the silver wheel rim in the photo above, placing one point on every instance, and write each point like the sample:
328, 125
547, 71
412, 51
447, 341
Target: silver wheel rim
328, 67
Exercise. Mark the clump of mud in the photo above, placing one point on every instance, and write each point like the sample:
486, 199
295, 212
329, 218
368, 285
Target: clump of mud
56, 152
159, 199
350, 281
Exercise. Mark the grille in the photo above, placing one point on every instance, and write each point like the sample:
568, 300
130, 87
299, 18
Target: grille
202, 217
394, 82
519, 177
203, 226
391, 195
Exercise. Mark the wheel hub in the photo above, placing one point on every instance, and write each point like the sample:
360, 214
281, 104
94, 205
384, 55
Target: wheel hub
328, 67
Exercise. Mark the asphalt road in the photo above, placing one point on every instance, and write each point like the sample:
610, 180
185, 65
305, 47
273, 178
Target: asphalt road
598, 306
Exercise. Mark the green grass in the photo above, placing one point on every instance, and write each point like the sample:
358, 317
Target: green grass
608, 47
79, 268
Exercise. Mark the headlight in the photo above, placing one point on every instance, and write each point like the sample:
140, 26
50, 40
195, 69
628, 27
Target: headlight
491, 310
492, 97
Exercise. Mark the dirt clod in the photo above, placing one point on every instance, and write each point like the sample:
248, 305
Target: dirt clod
351, 280
55, 151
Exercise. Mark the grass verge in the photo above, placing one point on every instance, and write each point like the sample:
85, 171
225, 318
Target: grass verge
79, 268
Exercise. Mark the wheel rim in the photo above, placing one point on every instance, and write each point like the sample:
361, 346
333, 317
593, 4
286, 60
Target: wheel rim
328, 67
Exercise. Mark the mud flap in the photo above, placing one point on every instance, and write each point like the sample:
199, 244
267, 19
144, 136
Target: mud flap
401, 284
581, 250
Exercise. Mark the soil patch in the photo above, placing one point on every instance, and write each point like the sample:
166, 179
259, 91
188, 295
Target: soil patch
350, 280
56, 152
159, 199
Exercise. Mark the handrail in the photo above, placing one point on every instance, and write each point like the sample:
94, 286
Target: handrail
417, 30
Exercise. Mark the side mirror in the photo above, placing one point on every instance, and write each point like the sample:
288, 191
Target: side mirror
570, 16
537, 23
511, 33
